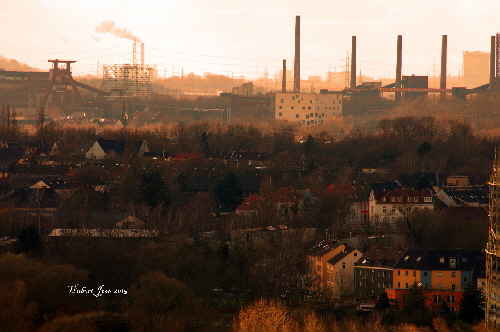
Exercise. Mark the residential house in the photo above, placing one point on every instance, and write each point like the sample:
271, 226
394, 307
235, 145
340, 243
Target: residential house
340, 273
388, 207
317, 259
373, 272
442, 274
470, 197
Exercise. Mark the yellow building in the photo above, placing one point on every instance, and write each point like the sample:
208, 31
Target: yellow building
308, 108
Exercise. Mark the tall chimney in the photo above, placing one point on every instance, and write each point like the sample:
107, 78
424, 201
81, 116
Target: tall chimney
398, 68
296, 65
283, 77
492, 63
444, 52
353, 63
142, 55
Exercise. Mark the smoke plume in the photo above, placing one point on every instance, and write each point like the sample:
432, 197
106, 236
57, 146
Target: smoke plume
109, 26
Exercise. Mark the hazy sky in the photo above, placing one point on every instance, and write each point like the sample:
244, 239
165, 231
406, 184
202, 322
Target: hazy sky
235, 37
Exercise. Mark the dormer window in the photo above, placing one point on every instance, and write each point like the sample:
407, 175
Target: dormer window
408, 199
441, 259
407, 257
453, 262
415, 199
383, 199
400, 199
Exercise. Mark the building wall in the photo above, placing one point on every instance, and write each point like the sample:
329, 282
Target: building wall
404, 278
308, 108
340, 277
370, 282
445, 279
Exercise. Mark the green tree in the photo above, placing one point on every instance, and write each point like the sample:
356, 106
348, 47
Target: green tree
470, 306
154, 190
414, 306
29, 241
228, 190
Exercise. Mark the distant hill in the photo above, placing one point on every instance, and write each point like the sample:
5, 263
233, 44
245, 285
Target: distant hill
14, 65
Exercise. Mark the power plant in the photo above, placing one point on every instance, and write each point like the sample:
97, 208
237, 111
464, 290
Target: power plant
128, 79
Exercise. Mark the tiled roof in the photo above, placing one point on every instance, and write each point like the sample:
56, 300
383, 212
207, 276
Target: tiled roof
249, 204
381, 257
323, 248
341, 255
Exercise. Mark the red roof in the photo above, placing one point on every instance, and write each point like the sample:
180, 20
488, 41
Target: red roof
187, 156
249, 204
340, 189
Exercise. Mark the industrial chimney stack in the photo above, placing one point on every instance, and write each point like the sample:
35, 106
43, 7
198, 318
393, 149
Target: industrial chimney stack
283, 77
142, 55
444, 52
492, 62
353, 63
397, 85
296, 64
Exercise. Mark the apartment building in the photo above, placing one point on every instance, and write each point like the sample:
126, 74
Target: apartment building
308, 108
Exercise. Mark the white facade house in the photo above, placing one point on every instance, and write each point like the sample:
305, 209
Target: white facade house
390, 206
308, 108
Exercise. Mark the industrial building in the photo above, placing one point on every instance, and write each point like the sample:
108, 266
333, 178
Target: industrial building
308, 108
476, 69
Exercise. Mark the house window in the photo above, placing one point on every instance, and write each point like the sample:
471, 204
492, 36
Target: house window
399, 272
307, 116
406, 285
453, 274
292, 107
360, 283
425, 274
393, 210
366, 272
280, 114
427, 199
297, 116
298, 101
384, 209
453, 286
415, 199
400, 199
453, 262
437, 299
414, 273
355, 254
451, 299
379, 284
379, 273
293, 98
281, 107
311, 115
309, 108
406, 273
466, 279
440, 274
399, 284
303, 107
441, 259
283, 100
343, 266
408, 199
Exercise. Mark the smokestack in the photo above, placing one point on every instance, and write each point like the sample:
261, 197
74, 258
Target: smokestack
398, 68
142, 55
353, 63
283, 77
492, 62
296, 65
444, 52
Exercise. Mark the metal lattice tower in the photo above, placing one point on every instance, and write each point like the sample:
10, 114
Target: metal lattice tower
492, 318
